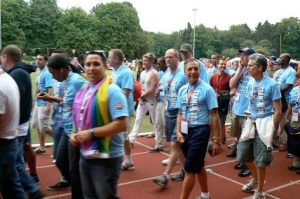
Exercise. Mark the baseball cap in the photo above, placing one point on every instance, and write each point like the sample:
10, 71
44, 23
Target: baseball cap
247, 51
185, 47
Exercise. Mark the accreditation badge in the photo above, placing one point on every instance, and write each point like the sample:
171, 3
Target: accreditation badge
295, 116
184, 126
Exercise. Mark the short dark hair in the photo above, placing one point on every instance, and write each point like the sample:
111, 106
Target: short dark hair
13, 52
58, 62
259, 60
43, 55
96, 52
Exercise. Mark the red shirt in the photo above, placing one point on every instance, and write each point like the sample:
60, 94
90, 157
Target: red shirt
220, 83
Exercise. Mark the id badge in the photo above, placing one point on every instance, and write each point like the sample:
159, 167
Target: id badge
184, 126
166, 103
237, 96
295, 116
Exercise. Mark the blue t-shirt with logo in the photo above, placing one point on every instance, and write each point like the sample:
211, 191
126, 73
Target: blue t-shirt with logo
202, 100
241, 103
44, 81
171, 85
57, 115
261, 95
285, 76
72, 85
117, 108
294, 98
203, 73
124, 78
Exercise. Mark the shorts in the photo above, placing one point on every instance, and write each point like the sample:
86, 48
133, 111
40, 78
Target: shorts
40, 120
194, 148
170, 125
237, 123
255, 150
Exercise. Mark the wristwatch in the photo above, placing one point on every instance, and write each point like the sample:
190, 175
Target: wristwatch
92, 132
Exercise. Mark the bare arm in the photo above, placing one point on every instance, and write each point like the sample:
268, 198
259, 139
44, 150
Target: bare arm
116, 126
216, 127
126, 92
288, 113
154, 82
178, 131
285, 88
234, 80
277, 115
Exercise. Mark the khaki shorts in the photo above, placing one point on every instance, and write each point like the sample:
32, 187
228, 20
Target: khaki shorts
40, 120
237, 123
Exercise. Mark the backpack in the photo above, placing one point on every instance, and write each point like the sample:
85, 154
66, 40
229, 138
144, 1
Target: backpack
137, 90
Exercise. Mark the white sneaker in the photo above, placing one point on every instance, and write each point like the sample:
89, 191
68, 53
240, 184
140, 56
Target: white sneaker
166, 161
251, 186
258, 195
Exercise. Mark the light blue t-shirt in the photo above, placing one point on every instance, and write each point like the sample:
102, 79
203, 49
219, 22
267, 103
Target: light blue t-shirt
117, 108
171, 85
57, 115
241, 103
294, 98
202, 100
211, 71
44, 81
285, 76
72, 85
261, 95
203, 73
124, 78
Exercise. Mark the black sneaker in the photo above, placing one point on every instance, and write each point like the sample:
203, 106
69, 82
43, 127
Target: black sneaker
156, 149
178, 176
245, 172
35, 178
239, 165
59, 186
37, 195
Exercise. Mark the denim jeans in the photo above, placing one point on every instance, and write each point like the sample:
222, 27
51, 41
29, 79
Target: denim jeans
57, 133
10, 184
100, 177
27, 182
170, 124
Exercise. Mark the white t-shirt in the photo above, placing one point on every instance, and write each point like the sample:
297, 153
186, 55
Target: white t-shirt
9, 106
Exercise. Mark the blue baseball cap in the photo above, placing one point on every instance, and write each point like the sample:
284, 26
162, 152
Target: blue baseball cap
247, 51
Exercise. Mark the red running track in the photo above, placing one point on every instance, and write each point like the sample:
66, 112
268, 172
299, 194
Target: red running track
223, 180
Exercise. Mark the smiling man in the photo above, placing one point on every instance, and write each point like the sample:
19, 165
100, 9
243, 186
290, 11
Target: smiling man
197, 117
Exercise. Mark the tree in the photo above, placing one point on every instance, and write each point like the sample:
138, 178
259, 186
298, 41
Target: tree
119, 27
14, 22
44, 17
78, 30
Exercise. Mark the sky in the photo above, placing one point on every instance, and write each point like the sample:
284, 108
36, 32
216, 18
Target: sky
168, 16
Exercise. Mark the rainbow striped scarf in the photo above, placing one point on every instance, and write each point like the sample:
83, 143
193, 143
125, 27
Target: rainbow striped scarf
95, 114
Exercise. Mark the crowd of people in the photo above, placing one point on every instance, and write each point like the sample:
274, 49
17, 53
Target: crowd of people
88, 113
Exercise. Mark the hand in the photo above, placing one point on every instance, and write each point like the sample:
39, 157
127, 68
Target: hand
73, 139
216, 149
180, 137
82, 137
42, 95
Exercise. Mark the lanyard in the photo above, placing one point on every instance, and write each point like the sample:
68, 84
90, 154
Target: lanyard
219, 81
189, 96
171, 79
83, 104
